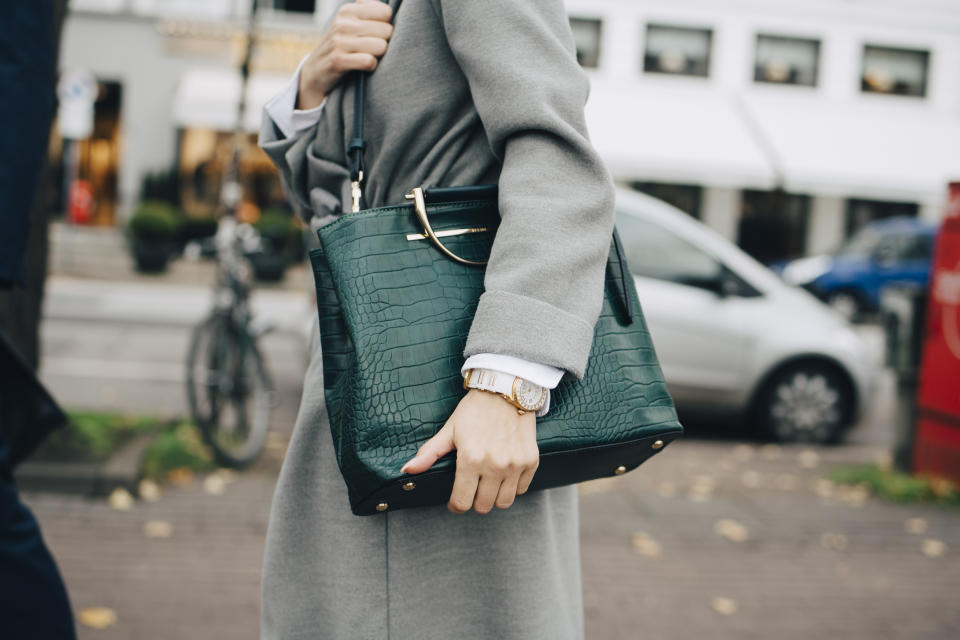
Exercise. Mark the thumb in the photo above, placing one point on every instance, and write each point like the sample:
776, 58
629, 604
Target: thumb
430, 451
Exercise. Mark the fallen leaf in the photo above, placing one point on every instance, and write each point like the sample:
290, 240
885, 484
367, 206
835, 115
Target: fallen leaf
724, 606
942, 487
120, 499
751, 479
214, 485
742, 452
227, 475
916, 526
883, 460
770, 452
854, 496
148, 490
833, 541
667, 489
157, 529
181, 476
645, 545
96, 617
823, 487
731, 530
704, 482
808, 459
702, 488
786, 482
933, 548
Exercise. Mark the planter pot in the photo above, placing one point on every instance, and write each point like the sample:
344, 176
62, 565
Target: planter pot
152, 257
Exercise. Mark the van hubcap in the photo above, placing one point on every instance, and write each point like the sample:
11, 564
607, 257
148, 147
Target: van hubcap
805, 406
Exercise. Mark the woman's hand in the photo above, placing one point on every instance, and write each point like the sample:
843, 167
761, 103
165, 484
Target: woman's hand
497, 452
354, 41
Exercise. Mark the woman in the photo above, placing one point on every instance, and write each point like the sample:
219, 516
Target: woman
465, 92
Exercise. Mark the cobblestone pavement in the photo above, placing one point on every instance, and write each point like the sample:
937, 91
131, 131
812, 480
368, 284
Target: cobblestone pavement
710, 539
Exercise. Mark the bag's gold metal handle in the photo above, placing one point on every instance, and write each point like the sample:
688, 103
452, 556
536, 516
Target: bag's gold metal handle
420, 207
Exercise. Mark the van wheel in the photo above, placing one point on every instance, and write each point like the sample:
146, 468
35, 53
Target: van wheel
805, 402
845, 303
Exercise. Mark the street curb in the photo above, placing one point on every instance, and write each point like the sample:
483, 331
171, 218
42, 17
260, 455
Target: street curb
94, 479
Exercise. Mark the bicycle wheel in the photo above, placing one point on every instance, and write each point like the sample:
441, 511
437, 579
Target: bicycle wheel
229, 390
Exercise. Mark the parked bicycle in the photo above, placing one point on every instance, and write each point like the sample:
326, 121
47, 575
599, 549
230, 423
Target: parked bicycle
229, 390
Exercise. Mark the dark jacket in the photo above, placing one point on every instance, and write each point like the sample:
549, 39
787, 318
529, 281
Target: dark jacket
26, 109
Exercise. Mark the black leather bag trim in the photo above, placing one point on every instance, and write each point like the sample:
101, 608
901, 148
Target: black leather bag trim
556, 469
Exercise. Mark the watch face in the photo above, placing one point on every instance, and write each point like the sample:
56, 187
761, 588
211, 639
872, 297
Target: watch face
529, 395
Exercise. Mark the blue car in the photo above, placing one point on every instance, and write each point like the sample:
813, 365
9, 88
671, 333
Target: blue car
850, 279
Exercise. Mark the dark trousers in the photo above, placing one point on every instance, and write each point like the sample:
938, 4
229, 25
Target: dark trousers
33, 599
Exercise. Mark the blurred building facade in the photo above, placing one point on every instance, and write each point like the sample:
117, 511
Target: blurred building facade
169, 89
782, 124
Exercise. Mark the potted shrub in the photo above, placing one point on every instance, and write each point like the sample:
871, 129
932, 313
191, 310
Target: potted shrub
280, 240
153, 229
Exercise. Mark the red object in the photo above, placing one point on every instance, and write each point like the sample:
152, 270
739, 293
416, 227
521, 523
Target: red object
80, 202
937, 438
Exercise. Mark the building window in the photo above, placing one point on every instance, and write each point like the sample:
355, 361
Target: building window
586, 34
686, 197
783, 60
901, 72
773, 224
295, 6
861, 211
677, 50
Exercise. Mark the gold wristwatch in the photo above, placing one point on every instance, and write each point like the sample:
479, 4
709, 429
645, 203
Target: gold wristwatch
521, 393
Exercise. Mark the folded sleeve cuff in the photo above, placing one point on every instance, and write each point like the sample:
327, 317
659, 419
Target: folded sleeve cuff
539, 374
524, 327
282, 108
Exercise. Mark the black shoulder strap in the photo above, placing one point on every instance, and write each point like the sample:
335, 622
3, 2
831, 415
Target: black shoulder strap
357, 145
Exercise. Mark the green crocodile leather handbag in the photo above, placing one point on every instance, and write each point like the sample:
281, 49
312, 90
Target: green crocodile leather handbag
397, 288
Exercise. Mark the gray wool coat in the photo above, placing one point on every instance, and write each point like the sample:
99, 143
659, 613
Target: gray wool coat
469, 92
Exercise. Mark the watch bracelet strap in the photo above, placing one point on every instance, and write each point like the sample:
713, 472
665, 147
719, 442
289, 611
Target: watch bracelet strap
500, 383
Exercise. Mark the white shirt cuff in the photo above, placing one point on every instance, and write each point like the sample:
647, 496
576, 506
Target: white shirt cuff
282, 108
540, 374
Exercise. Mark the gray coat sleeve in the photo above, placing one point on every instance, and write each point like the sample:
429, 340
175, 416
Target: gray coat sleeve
545, 278
316, 202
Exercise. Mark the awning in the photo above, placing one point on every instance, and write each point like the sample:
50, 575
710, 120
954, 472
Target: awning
674, 133
208, 98
884, 148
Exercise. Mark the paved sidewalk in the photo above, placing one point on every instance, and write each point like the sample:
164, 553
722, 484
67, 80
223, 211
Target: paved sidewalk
793, 558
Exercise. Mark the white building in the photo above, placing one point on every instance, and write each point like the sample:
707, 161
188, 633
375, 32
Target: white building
170, 85
851, 107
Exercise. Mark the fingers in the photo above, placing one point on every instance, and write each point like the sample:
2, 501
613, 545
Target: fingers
361, 44
368, 28
464, 488
526, 478
430, 451
366, 10
508, 492
344, 62
487, 491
